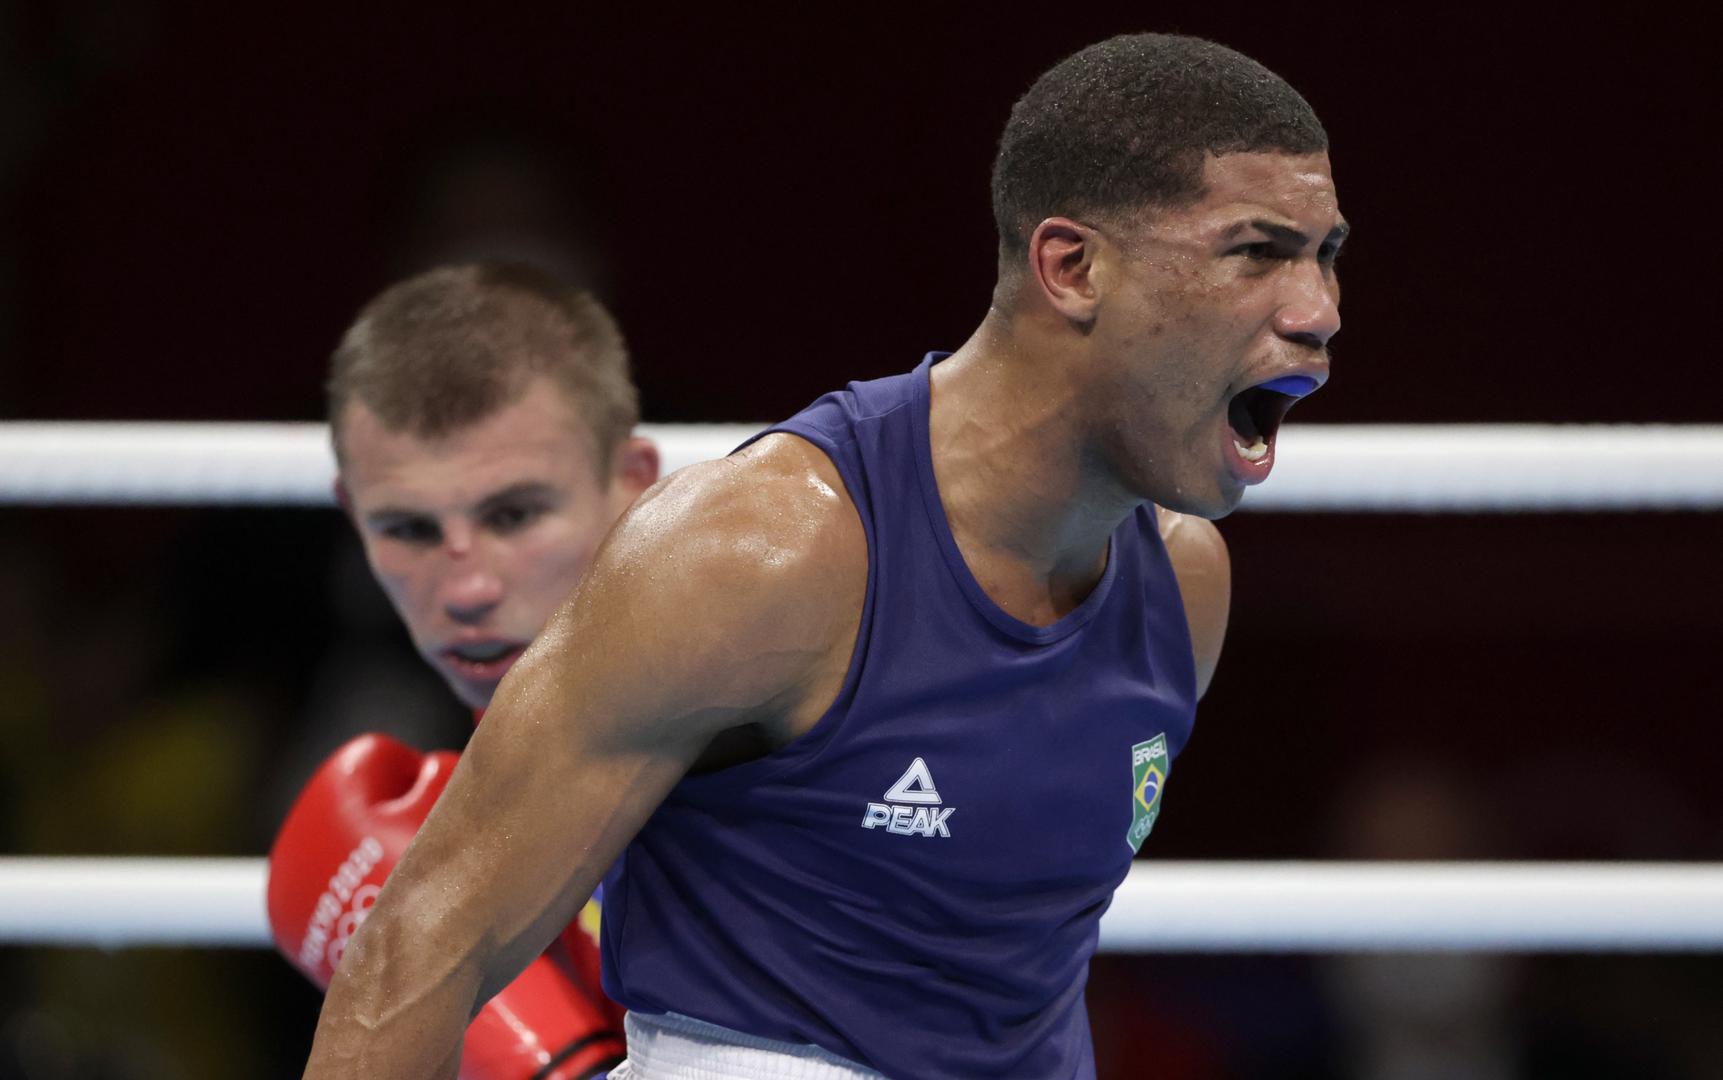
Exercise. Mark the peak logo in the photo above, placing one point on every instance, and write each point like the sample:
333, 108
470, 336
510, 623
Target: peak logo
912, 807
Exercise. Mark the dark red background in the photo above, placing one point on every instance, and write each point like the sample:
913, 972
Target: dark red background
194, 202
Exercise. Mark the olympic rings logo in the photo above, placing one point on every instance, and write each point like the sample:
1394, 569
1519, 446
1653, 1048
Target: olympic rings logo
341, 910
349, 924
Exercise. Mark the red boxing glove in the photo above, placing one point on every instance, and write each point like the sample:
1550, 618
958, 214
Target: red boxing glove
339, 842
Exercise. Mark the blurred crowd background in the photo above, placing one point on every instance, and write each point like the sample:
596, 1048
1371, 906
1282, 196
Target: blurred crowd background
194, 199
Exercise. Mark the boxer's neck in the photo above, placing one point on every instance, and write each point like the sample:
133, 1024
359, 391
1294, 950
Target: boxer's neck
1018, 475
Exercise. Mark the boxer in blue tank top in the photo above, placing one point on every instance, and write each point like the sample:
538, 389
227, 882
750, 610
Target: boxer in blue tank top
868, 719
932, 857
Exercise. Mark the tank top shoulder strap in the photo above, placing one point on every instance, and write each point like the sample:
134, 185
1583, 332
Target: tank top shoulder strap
835, 424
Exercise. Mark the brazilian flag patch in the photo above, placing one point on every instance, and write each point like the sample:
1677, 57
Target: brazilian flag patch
1149, 768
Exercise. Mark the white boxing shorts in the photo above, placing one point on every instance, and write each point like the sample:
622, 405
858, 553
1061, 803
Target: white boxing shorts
669, 1046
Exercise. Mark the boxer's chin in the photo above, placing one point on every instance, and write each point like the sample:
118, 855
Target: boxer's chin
474, 695
1231, 494
1213, 499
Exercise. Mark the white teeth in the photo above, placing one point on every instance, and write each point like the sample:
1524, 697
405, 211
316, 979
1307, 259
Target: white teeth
1254, 452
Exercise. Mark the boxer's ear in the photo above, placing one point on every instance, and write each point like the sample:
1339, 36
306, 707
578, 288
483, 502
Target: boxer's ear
635, 469
1062, 255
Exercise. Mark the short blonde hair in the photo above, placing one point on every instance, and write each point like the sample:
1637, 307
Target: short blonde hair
449, 347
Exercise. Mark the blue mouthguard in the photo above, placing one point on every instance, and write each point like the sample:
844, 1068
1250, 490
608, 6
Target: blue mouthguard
1291, 385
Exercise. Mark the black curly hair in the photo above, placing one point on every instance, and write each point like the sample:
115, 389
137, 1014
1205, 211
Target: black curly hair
1125, 125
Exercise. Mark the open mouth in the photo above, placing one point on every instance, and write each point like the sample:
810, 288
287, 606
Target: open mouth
1255, 413
483, 661
482, 652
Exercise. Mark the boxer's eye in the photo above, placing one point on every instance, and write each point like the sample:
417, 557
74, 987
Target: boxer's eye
1259, 251
412, 530
507, 519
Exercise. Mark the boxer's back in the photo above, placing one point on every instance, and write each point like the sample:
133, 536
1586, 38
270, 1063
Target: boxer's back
916, 883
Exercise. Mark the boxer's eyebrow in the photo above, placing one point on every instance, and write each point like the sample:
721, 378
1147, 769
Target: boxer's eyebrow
525, 491
387, 515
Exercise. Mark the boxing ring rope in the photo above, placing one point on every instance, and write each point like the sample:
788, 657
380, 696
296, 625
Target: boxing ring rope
1445, 468
1161, 907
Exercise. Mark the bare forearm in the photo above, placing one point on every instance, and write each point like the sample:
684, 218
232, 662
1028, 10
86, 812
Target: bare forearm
490, 878
396, 1008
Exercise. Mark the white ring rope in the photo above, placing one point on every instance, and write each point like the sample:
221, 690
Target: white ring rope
73, 462
114, 902
1450, 468
1161, 907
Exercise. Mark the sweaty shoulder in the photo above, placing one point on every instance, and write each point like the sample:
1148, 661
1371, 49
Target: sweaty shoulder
747, 574
1204, 572
776, 512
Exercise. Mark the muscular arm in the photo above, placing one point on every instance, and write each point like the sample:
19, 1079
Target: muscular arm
720, 601
1204, 571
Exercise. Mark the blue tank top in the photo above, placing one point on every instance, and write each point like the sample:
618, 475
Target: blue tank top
916, 882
